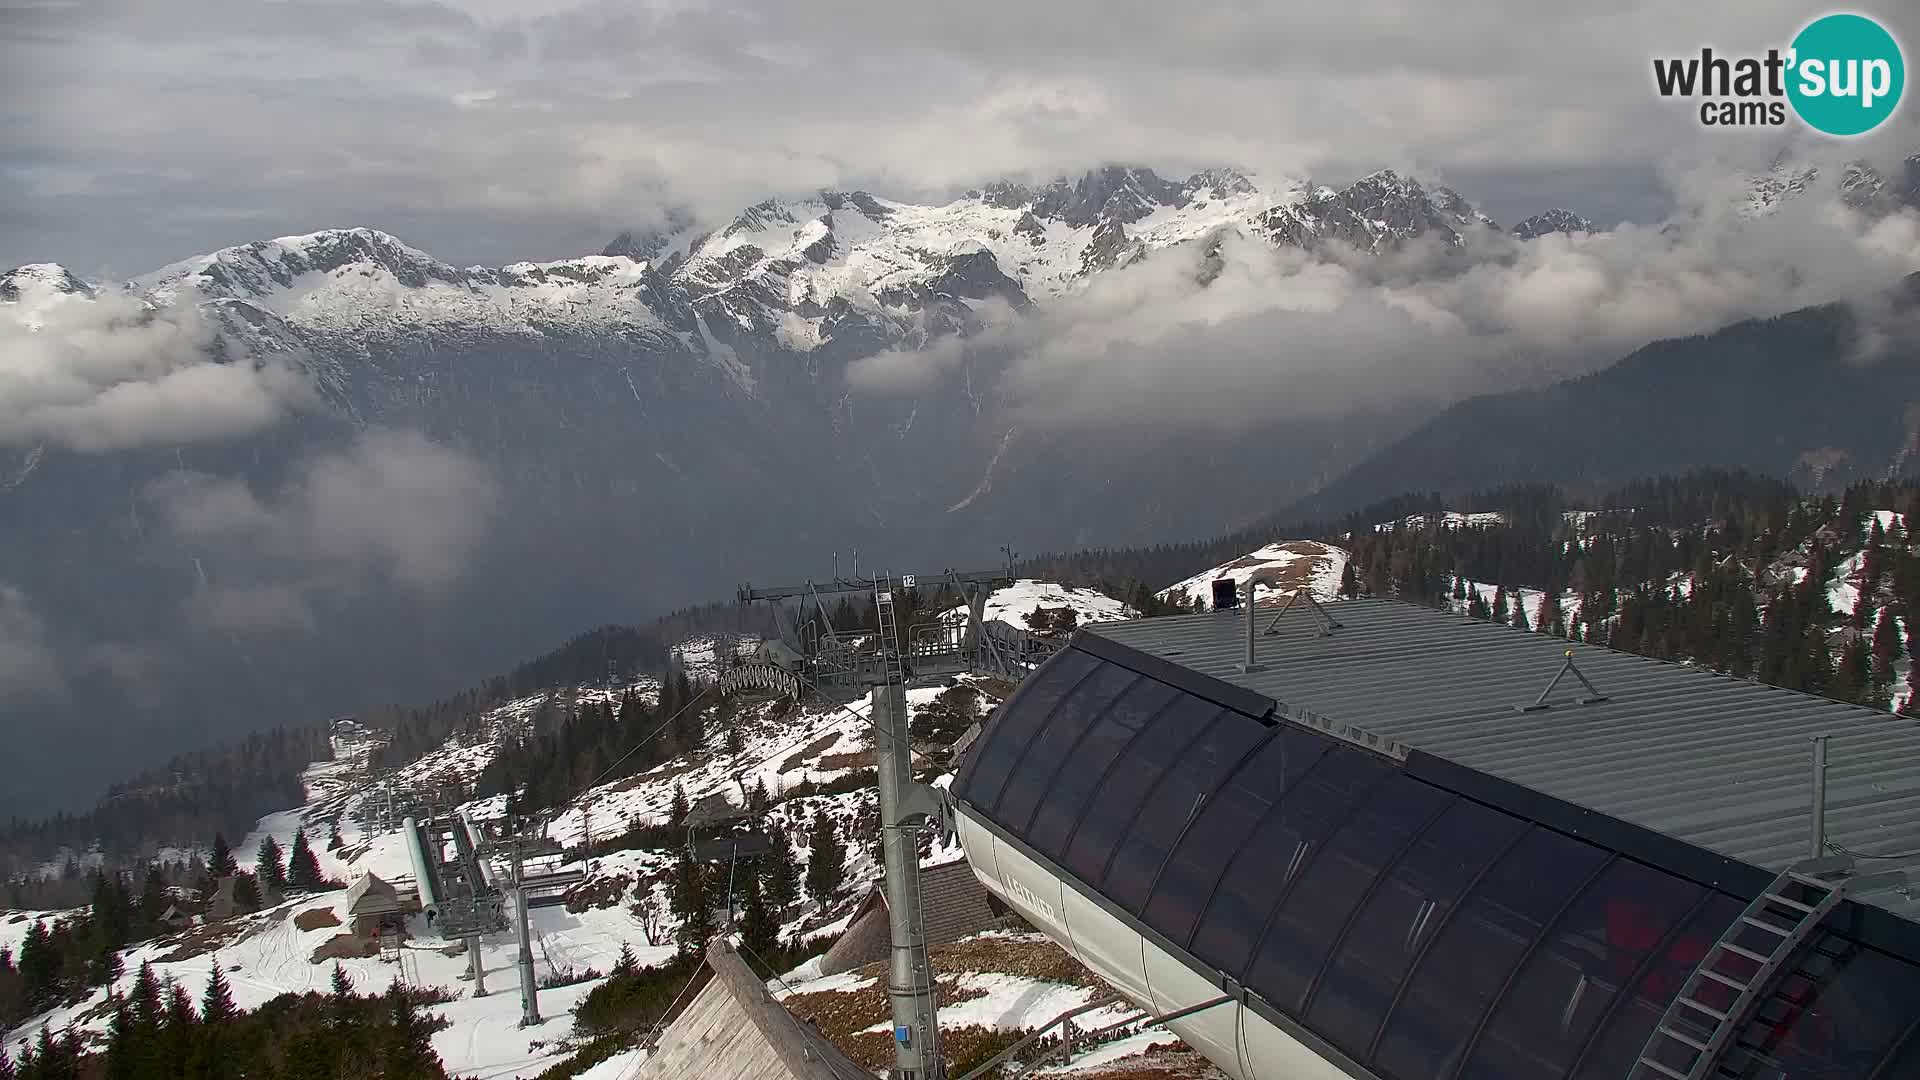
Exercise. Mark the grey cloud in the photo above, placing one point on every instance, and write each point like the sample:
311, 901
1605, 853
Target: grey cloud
393, 508
114, 374
1251, 334
28, 668
601, 112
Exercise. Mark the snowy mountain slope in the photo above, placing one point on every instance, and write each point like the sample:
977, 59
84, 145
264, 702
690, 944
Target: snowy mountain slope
1859, 185
798, 271
1283, 568
1014, 603
756, 742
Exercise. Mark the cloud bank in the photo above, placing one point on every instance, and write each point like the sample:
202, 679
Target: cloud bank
1237, 332
393, 510
113, 374
488, 131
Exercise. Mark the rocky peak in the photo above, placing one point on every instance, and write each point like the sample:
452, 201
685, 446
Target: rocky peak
1553, 221
1116, 193
257, 269
646, 244
1218, 184
40, 278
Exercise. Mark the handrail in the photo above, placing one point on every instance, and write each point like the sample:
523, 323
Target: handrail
1000, 1058
1145, 1022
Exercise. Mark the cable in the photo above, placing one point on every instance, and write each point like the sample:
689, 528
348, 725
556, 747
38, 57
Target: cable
1864, 855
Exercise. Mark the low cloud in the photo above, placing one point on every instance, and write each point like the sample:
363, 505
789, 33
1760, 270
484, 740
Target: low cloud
393, 508
112, 374
1236, 332
28, 668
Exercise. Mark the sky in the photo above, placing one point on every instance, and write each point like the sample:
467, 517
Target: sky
134, 133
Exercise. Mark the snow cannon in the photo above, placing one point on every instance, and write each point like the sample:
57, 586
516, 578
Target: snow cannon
423, 868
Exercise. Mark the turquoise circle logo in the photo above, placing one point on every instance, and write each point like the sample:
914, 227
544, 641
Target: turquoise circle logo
1847, 74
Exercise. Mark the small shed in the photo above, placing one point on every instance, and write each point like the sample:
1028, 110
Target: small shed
955, 903
734, 1029
223, 905
378, 908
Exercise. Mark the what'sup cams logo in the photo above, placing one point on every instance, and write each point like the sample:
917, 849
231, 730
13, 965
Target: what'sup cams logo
1843, 75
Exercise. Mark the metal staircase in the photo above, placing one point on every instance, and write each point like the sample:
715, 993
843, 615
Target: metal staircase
1736, 974
889, 643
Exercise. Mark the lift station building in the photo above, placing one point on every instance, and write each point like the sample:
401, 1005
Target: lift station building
1374, 843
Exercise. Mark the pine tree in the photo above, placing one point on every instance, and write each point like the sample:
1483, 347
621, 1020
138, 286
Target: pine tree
678, 810
626, 964
220, 864
757, 799
1853, 675
1500, 613
783, 874
303, 866
1459, 587
342, 984
216, 1005
759, 929
1886, 650
1520, 612
689, 900
123, 1057
246, 894
1552, 620
826, 860
177, 1035
408, 1054
270, 869
39, 968
1477, 605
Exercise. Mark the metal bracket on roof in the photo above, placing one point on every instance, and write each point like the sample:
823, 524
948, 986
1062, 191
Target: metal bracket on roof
1594, 697
1328, 624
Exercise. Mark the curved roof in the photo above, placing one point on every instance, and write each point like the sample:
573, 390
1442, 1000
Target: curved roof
1421, 917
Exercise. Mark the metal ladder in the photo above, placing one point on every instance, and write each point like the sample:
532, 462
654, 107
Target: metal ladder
889, 632
1715, 1001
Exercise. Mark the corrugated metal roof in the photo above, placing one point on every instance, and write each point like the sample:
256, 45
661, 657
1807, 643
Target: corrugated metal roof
1718, 762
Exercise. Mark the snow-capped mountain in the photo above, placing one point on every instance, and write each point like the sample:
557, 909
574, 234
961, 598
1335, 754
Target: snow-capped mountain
1859, 184
349, 280
1553, 221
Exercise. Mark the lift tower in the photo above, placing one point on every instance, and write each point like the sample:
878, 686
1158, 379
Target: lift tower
941, 648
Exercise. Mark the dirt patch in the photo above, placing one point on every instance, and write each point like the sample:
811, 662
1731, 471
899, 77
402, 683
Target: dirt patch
1029, 956
688, 763
599, 893
841, 1014
861, 759
805, 753
1170, 1060
346, 947
316, 918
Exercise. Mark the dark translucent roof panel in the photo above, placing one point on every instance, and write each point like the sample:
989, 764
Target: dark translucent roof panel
1224, 824
1841, 1022
1400, 920
1567, 986
1461, 977
1622, 1034
1006, 734
1337, 878
1176, 799
1109, 813
1075, 782
1051, 747
1261, 872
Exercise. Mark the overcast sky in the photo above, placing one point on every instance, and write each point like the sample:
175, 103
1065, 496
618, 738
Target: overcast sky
134, 132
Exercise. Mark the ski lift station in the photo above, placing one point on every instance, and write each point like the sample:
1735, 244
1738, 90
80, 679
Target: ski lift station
1375, 840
